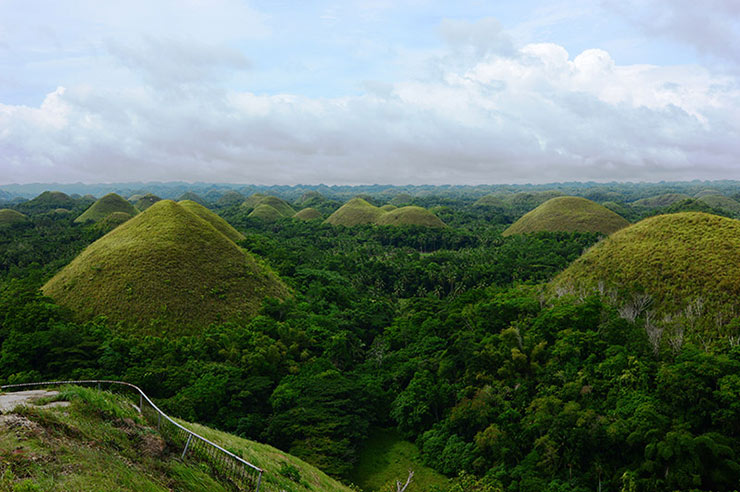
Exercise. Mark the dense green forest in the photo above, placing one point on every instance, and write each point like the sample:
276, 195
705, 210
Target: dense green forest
445, 334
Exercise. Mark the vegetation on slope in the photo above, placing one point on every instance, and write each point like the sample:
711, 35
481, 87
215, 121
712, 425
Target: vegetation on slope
388, 207
9, 217
105, 206
266, 213
663, 200
100, 442
355, 212
166, 267
309, 213
111, 221
230, 198
146, 201
568, 214
212, 218
410, 215
48, 201
189, 196
723, 203
676, 259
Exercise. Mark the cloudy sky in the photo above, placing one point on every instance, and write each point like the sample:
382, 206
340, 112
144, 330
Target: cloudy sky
369, 91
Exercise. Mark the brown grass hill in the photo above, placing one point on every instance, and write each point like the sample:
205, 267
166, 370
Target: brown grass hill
568, 214
166, 270
266, 213
212, 218
723, 203
307, 214
105, 206
410, 215
146, 201
687, 263
659, 201
8, 217
355, 212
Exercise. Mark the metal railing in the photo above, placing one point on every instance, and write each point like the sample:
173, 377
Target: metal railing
241, 473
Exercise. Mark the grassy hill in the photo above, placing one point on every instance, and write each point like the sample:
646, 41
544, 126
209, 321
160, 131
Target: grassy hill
220, 224
166, 269
145, 201
355, 212
189, 196
721, 202
105, 206
675, 259
266, 212
307, 214
48, 201
388, 207
9, 217
660, 200
100, 443
230, 198
111, 221
410, 215
570, 214
279, 205
491, 201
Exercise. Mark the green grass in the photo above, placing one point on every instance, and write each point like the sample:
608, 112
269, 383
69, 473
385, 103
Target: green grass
675, 258
308, 214
266, 212
386, 457
410, 215
568, 214
105, 206
230, 198
660, 200
165, 270
98, 443
355, 212
9, 217
273, 461
388, 207
112, 221
216, 221
101, 443
253, 200
721, 202
191, 197
146, 201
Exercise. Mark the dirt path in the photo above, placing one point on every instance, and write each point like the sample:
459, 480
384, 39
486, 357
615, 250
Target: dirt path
8, 401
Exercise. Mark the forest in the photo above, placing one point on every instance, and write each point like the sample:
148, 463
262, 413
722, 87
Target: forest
447, 335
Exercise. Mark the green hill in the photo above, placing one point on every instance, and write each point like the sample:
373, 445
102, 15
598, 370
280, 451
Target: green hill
355, 212
706, 192
388, 207
721, 202
266, 212
674, 258
216, 221
167, 268
99, 442
9, 217
410, 215
230, 198
310, 198
253, 200
105, 206
660, 200
568, 214
146, 201
112, 220
401, 199
48, 201
307, 214
525, 201
492, 201
192, 197
280, 205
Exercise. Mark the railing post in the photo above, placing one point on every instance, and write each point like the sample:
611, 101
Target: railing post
259, 481
141, 403
190, 437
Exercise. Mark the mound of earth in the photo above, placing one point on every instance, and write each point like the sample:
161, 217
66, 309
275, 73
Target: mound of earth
661, 200
281, 206
216, 221
410, 215
9, 217
167, 269
568, 214
266, 213
307, 214
105, 206
355, 212
675, 259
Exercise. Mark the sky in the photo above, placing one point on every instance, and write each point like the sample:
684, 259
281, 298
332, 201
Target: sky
369, 91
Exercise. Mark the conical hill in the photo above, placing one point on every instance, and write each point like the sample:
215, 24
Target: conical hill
265, 212
144, 202
355, 212
215, 220
307, 214
9, 217
410, 215
568, 214
675, 259
166, 269
105, 206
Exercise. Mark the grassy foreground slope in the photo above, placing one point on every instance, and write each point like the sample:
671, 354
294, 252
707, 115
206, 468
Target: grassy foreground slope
105, 206
674, 258
568, 214
100, 443
166, 264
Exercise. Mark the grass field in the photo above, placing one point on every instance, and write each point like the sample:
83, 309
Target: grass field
568, 214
